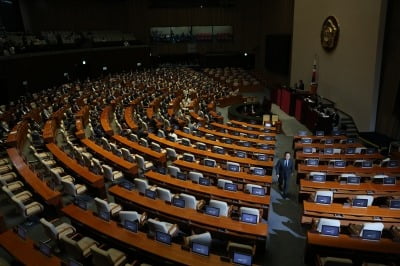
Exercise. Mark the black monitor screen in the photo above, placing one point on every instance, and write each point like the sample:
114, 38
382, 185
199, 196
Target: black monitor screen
306, 140
200, 249
235, 133
394, 204
171, 138
259, 171
242, 259
150, 193
323, 199
270, 138
307, 150
104, 214
163, 238
330, 230
262, 157
329, 141
363, 203
312, 162
319, 178
178, 202
252, 136
350, 141
350, 151
209, 163
371, 234
188, 158
259, 191
186, 142
249, 218
156, 148
339, 163
181, 176
241, 154
81, 203
160, 134
353, 180
328, 151
162, 170
230, 186
22, 232
393, 164
202, 147
228, 141
142, 143
319, 133
204, 181
389, 180
131, 225
186, 130
233, 167
336, 133
264, 146
220, 151
246, 144
366, 164
370, 151
127, 185
212, 211
45, 249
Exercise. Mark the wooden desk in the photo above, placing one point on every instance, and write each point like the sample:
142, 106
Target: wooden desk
238, 198
241, 130
49, 131
302, 168
348, 214
17, 136
229, 136
90, 178
240, 177
126, 166
353, 243
158, 156
138, 240
196, 117
216, 116
128, 114
345, 190
231, 147
83, 114
105, 120
49, 196
229, 100
259, 127
321, 146
300, 155
319, 138
209, 154
25, 251
220, 224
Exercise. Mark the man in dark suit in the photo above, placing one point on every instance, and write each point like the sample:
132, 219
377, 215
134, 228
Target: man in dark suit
284, 169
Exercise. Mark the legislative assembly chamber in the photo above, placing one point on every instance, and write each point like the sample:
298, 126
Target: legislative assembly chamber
199, 132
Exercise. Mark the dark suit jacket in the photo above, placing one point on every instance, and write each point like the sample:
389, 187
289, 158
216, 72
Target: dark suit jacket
282, 170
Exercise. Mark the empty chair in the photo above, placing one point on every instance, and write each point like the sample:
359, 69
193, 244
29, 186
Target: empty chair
77, 247
54, 231
186, 142
142, 164
106, 145
358, 229
4, 161
251, 211
14, 186
87, 159
133, 137
249, 187
23, 196
111, 175
111, 207
7, 177
30, 209
141, 184
201, 146
132, 216
115, 149
195, 176
109, 257
164, 194
96, 167
204, 239
369, 198
160, 133
210, 162
360, 150
126, 154
173, 170
231, 166
73, 189
191, 202
337, 151
42, 155
164, 227
58, 178
221, 182
241, 248
190, 157
172, 155
224, 208
143, 142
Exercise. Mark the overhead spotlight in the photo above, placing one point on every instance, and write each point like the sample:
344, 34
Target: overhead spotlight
245, 54
104, 68
138, 64
65, 74
83, 62
150, 54
25, 82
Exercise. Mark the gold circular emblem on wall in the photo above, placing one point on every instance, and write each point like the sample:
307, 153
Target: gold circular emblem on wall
329, 33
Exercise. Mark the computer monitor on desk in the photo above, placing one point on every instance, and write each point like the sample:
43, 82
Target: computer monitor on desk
307, 150
258, 171
233, 167
181, 176
319, 133
337, 163
104, 214
329, 141
328, 151
371, 234
177, 202
259, 191
394, 204
302, 133
350, 151
200, 249
242, 259
328, 227
163, 238
230, 186
249, 218
306, 140
45, 248
131, 225
319, 178
370, 151
353, 180
360, 203
312, 162
212, 211
389, 180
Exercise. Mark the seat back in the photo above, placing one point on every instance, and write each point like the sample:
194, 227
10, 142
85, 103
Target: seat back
221, 205
140, 161
69, 188
164, 194
195, 176
155, 225
101, 204
249, 187
129, 215
101, 257
370, 198
108, 173
190, 201
222, 182
171, 153
49, 228
173, 170
252, 211
372, 226
141, 184
204, 239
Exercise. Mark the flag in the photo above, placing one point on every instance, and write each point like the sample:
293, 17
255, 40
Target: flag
314, 73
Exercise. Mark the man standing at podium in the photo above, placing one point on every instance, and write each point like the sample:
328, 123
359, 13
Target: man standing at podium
284, 169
